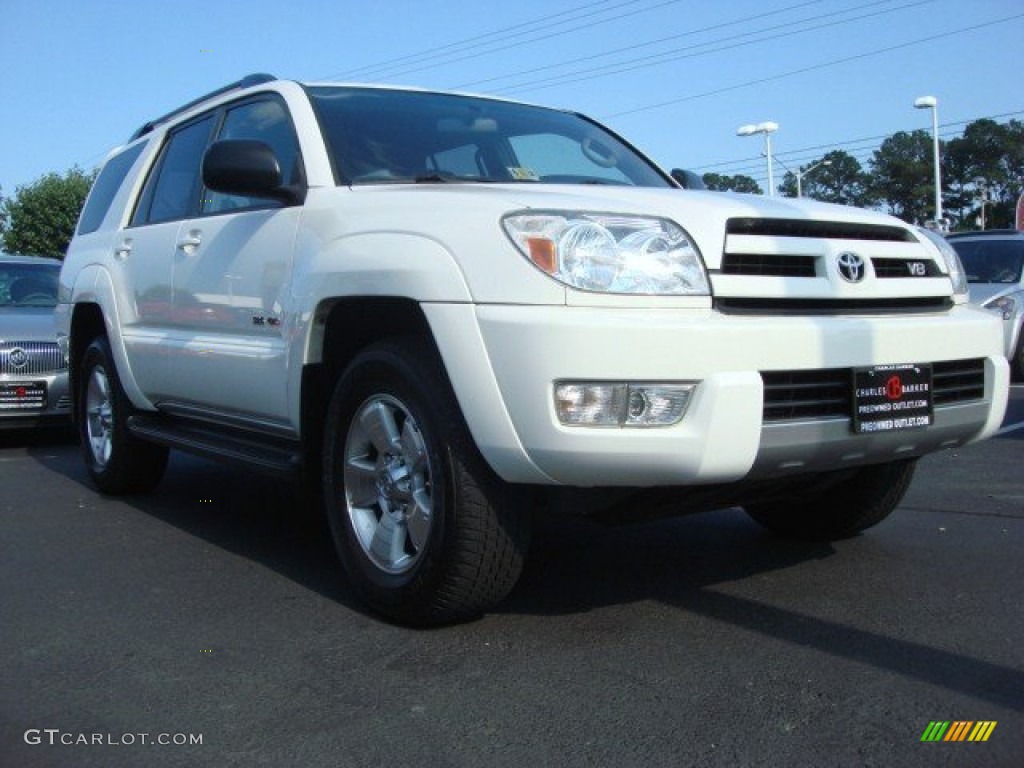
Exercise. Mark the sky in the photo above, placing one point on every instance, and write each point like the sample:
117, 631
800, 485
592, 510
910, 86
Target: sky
675, 77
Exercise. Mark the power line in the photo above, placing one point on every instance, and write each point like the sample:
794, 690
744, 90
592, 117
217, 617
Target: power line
807, 153
723, 44
508, 45
812, 68
633, 47
472, 42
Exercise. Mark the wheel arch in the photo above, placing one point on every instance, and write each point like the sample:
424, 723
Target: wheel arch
343, 327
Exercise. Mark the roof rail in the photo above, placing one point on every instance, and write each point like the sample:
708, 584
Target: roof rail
245, 82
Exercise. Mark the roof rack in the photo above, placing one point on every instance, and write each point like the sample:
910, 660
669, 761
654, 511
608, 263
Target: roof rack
245, 82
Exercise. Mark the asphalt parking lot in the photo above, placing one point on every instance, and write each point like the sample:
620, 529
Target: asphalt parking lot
206, 610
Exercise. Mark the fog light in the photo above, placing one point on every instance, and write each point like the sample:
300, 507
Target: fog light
590, 404
657, 405
620, 404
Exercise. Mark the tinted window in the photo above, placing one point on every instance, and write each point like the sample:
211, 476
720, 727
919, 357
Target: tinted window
29, 285
266, 121
376, 135
991, 261
105, 187
173, 188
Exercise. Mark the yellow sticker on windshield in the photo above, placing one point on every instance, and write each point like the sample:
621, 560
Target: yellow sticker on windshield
523, 174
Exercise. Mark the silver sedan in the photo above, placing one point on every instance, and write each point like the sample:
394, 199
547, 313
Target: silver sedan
33, 372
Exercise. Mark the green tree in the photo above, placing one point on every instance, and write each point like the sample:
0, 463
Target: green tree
737, 183
985, 164
838, 178
40, 218
903, 176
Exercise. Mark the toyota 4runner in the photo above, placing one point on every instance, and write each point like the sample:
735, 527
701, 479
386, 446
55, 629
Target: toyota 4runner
452, 311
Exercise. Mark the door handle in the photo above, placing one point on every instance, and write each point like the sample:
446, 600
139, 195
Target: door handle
191, 241
123, 251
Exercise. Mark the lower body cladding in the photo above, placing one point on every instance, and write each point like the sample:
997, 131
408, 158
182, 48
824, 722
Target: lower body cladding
505, 363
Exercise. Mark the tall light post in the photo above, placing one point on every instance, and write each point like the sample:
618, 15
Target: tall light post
767, 129
800, 176
930, 102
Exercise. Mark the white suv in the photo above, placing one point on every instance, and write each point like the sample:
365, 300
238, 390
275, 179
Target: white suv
452, 311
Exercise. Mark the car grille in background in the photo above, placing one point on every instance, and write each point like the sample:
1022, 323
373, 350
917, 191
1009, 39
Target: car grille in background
42, 357
827, 394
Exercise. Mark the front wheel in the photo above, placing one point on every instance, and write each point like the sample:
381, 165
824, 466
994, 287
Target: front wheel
426, 531
863, 498
117, 462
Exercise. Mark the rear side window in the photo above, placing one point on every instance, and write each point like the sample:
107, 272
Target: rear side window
173, 188
105, 187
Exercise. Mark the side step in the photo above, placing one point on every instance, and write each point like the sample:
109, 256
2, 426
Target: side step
255, 450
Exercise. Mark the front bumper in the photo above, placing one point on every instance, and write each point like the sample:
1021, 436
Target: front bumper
504, 360
55, 410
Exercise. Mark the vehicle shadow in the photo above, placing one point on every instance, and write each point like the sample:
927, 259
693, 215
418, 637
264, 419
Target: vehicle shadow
579, 566
575, 566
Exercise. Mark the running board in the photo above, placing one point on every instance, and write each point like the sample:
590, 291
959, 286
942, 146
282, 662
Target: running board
250, 449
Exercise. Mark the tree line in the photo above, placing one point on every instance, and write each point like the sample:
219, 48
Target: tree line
982, 176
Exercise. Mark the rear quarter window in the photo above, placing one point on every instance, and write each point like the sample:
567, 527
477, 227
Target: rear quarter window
105, 188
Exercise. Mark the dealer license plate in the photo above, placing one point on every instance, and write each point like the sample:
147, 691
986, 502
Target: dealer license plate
24, 395
892, 398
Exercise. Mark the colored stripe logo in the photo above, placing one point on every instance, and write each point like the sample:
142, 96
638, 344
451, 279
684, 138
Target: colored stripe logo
958, 730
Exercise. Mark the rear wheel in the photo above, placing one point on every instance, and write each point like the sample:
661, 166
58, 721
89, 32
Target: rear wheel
1017, 364
425, 530
117, 462
860, 500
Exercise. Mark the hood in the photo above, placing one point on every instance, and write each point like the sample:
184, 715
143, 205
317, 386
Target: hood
26, 324
702, 214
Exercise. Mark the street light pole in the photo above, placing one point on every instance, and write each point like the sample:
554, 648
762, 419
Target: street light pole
930, 102
767, 129
800, 175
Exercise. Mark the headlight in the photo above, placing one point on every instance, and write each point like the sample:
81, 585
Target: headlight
610, 253
1005, 305
953, 266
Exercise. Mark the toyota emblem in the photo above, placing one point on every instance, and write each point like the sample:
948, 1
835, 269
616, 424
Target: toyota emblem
18, 357
851, 266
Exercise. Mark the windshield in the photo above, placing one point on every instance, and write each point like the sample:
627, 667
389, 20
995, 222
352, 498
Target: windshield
991, 261
388, 136
28, 285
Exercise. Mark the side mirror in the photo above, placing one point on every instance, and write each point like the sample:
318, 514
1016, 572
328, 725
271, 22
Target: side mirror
688, 179
246, 167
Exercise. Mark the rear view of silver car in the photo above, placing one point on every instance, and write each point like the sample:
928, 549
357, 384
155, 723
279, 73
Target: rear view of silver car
33, 372
994, 263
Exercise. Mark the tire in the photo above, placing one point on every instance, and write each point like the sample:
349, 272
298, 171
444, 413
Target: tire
425, 530
117, 462
860, 500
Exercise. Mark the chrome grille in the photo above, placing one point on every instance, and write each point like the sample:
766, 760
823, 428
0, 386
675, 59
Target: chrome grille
41, 357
